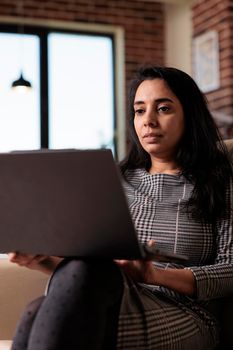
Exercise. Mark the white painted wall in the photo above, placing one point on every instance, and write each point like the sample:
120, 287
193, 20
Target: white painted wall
178, 34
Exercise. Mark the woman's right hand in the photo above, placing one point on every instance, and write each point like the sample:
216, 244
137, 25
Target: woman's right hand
43, 263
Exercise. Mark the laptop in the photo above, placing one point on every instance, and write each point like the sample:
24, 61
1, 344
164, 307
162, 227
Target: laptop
68, 203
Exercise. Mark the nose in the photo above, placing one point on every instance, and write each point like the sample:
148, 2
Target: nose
150, 118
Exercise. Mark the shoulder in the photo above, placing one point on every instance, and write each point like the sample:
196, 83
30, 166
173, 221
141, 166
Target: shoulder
134, 176
131, 181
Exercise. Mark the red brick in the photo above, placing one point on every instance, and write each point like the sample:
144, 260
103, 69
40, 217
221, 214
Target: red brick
214, 14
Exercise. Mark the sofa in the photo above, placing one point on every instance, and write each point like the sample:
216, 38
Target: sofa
20, 285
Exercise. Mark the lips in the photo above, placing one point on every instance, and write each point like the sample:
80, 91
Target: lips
152, 137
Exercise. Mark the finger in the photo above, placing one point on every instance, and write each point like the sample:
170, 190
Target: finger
151, 243
12, 256
27, 260
21, 259
121, 262
24, 261
40, 258
15, 256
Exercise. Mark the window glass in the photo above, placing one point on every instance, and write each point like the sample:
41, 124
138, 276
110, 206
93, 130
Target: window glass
81, 92
19, 111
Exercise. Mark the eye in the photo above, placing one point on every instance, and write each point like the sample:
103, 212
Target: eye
163, 109
139, 111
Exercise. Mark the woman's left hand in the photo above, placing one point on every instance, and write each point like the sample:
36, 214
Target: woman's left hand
139, 270
43, 263
180, 280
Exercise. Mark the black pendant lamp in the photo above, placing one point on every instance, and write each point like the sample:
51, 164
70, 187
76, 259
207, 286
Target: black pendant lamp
21, 83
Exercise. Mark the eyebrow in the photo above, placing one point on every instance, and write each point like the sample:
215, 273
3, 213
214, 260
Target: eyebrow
158, 100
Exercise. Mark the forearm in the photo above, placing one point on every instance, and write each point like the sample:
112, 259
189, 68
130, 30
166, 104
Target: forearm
179, 280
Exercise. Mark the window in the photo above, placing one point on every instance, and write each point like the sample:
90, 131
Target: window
80, 91
19, 113
72, 103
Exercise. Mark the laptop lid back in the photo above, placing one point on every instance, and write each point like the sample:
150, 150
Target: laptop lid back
64, 203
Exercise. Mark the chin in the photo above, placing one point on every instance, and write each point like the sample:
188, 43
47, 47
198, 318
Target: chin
153, 148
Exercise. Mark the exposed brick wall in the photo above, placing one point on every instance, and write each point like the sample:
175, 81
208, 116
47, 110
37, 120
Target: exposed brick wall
218, 15
143, 22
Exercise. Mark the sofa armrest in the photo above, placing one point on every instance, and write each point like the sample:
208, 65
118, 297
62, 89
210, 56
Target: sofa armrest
5, 344
19, 286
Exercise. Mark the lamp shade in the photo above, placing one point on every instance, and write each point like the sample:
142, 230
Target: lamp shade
21, 82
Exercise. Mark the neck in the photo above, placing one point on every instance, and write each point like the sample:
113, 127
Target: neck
163, 166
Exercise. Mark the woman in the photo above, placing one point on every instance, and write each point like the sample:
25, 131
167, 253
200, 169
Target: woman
178, 180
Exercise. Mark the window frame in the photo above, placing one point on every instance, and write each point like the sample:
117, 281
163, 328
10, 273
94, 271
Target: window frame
42, 29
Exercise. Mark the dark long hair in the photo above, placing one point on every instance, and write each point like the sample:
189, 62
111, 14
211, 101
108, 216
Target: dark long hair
202, 155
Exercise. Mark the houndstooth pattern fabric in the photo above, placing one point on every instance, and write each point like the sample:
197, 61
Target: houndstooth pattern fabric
154, 317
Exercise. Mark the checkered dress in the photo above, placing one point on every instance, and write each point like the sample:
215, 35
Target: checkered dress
154, 317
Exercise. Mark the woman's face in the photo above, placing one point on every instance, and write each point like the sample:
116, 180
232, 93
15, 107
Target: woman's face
158, 119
